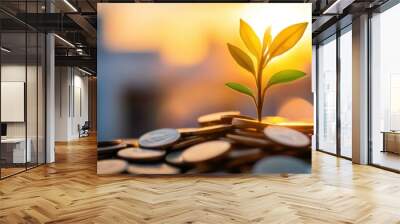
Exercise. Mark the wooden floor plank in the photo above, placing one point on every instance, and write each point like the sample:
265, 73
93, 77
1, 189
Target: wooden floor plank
69, 191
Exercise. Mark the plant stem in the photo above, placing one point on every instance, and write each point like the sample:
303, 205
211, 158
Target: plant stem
267, 59
259, 89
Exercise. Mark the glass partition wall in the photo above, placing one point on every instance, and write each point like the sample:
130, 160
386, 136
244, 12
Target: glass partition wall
334, 94
22, 98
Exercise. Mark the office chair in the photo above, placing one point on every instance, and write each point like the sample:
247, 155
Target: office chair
84, 130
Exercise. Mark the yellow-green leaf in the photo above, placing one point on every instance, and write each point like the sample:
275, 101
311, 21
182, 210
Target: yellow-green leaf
285, 76
267, 39
240, 88
250, 39
287, 38
241, 58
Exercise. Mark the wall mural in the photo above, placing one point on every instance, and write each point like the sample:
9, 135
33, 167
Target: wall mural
204, 88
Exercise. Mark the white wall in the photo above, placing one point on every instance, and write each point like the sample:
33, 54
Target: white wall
70, 83
61, 103
12, 73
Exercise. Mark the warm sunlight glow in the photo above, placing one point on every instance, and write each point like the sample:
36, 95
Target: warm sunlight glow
183, 33
297, 109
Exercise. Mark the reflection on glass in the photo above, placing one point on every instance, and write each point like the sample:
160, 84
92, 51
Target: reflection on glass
346, 94
327, 96
385, 114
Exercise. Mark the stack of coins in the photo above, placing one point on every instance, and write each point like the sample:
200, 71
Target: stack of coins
224, 142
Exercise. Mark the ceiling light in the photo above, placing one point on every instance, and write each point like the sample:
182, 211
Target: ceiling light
84, 71
337, 7
5, 50
70, 5
65, 41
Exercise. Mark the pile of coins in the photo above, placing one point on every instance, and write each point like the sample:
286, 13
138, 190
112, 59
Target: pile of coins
224, 142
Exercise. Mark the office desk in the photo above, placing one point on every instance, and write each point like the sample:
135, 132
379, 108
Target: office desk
15, 148
391, 141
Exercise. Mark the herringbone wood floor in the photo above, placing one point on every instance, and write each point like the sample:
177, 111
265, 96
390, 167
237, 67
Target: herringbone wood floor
69, 191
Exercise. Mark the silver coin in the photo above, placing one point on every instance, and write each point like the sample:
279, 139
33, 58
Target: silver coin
287, 137
281, 164
175, 158
159, 138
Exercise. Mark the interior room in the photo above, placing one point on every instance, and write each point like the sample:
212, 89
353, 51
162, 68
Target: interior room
22, 103
52, 111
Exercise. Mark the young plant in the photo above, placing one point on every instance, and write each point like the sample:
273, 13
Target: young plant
263, 53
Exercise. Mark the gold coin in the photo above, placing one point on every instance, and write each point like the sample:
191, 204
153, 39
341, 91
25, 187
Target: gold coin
215, 117
155, 169
250, 133
205, 130
227, 119
287, 137
139, 154
206, 151
131, 142
306, 128
111, 166
249, 141
247, 123
274, 119
188, 142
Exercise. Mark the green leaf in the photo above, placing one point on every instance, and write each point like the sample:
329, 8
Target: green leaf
250, 39
285, 76
241, 58
240, 88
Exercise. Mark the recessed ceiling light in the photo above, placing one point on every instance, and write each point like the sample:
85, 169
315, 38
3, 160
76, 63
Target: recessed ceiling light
338, 6
5, 50
70, 5
84, 71
65, 41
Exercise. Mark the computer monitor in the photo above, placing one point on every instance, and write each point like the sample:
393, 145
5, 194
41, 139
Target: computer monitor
3, 129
